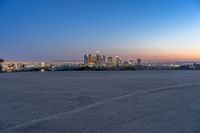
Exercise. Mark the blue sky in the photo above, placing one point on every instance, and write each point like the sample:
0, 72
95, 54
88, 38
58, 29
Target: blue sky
67, 29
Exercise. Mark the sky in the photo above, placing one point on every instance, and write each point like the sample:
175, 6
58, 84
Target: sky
47, 30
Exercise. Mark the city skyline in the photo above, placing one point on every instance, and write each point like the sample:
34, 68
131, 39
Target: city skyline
152, 30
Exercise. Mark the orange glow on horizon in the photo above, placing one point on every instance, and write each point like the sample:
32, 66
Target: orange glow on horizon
162, 55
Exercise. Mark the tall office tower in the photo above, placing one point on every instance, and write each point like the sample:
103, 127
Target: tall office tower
118, 60
109, 60
94, 60
104, 59
98, 58
138, 61
85, 59
90, 59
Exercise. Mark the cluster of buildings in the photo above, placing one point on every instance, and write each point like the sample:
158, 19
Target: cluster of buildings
37, 66
101, 60
95, 62
22, 66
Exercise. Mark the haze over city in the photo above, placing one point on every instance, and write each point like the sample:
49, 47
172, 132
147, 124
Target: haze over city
46, 30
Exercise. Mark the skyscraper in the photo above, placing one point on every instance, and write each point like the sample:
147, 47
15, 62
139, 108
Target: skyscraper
90, 60
85, 59
138, 61
98, 59
118, 61
110, 60
104, 59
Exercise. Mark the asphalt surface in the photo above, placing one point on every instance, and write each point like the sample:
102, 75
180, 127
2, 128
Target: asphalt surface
100, 102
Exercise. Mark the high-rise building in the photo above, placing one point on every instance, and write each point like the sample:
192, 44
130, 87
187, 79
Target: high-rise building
110, 60
118, 61
138, 61
98, 58
90, 59
85, 59
104, 59
94, 60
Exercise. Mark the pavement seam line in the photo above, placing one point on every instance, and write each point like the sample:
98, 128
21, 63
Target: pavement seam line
96, 104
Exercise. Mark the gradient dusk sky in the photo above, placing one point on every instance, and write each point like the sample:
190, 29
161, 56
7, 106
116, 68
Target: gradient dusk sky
155, 30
